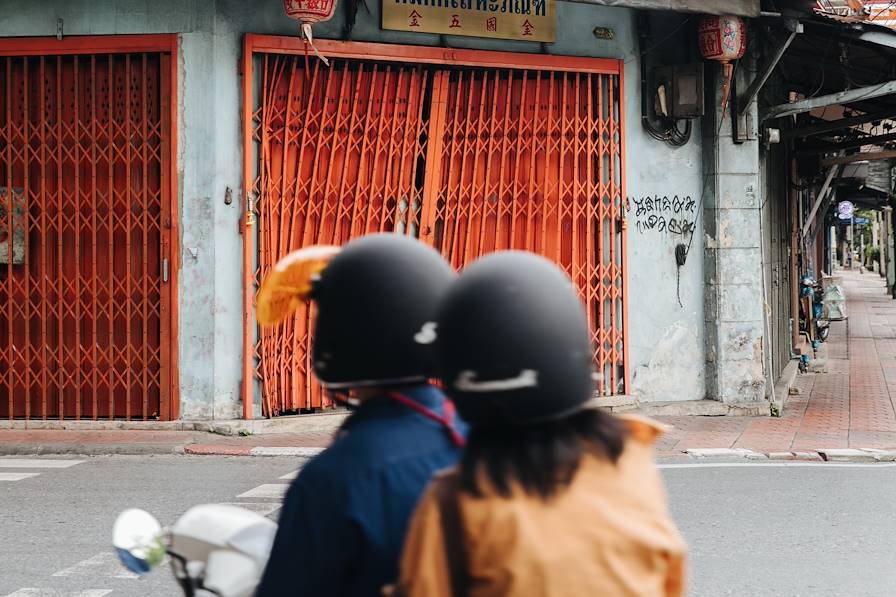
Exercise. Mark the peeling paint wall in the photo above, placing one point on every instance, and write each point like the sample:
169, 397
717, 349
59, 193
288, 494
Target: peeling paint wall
210, 161
665, 377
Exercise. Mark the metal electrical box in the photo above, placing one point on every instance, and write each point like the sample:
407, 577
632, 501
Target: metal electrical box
683, 88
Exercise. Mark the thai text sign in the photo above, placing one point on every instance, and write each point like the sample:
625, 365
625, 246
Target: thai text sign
527, 20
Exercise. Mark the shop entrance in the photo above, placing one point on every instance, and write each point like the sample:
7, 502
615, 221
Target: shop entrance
471, 152
85, 227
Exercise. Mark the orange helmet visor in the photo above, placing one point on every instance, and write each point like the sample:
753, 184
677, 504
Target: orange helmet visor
288, 285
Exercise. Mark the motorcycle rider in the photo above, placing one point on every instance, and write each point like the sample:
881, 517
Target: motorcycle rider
345, 516
552, 497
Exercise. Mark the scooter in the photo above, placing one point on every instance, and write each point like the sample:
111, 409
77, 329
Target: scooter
810, 288
214, 549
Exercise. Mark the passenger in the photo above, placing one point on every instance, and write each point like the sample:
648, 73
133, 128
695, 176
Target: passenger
552, 497
345, 516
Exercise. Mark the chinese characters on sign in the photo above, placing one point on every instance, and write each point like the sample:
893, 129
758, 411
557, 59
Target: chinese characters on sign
529, 20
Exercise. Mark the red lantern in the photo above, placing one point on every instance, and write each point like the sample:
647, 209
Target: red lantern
723, 39
307, 13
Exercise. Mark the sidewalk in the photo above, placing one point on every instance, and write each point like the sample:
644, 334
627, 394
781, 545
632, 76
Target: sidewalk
850, 407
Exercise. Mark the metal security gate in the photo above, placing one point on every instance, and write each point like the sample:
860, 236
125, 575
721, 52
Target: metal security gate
84, 191
470, 157
340, 150
531, 160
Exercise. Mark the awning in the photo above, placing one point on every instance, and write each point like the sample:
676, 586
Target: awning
848, 70
740, 8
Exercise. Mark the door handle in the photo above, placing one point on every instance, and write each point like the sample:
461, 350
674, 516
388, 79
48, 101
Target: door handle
165, 270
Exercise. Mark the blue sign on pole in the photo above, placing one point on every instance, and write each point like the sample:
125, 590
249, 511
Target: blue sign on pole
860, 221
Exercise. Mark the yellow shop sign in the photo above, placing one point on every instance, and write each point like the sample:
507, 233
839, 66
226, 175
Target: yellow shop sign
527, 20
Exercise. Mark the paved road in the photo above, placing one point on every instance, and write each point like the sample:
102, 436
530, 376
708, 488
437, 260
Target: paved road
754, 531
796, 531
55, 527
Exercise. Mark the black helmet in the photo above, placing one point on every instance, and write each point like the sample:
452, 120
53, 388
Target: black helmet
376, 302
513, 341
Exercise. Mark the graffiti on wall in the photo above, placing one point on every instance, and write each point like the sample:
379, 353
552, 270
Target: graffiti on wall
664, 214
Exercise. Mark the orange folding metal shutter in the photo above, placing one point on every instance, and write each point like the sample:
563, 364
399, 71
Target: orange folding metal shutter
464, 152
84, 188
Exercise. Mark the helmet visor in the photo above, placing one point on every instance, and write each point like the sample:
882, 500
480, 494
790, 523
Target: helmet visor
289, 284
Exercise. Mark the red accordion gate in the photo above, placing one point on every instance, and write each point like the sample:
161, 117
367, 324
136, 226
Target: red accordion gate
85, 144
472, 154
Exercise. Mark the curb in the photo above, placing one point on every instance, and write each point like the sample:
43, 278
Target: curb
865, 455
820, 455
90, 449
213, 450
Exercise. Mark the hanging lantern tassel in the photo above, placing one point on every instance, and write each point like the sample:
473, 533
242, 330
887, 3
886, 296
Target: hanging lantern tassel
308, 12
726, 86
309, 41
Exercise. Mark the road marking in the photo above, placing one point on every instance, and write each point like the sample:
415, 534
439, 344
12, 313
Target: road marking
262, 508
37, 463
16, 476
290, 476
300, 452
267, 490
102, 565
31, 592
780, 464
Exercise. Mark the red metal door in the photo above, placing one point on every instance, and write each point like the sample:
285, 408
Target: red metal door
341, 153
531, 160
84, 166
469, 159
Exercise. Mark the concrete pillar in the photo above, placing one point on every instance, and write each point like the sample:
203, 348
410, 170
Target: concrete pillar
850, 242
733, 271
888, 250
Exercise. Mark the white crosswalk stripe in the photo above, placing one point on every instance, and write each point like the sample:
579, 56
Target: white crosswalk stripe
16, 476
31, 592
262, 508
290, 476
37, 463
266, 490
102, 565
31, 463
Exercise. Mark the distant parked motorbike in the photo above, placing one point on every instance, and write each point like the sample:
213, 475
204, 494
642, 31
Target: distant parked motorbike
214, 549
809, 287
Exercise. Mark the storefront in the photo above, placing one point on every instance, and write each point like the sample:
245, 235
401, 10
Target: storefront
470, 142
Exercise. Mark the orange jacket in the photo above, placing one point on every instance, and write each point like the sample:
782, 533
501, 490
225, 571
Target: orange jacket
608, 534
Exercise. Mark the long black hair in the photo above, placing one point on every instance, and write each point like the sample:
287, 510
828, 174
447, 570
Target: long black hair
542, 458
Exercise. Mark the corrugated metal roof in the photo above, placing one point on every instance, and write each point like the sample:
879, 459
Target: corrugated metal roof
876, 12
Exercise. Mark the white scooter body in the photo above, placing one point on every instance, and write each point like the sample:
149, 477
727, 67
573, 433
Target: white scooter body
215, 549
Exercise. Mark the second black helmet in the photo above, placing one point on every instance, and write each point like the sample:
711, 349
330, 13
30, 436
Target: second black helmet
514, 343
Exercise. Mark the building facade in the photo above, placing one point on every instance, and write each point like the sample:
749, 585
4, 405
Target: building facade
160, 156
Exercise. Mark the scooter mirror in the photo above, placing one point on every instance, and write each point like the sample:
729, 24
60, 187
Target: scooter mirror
139, 540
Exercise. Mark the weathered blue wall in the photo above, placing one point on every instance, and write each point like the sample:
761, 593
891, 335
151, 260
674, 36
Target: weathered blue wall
665, 339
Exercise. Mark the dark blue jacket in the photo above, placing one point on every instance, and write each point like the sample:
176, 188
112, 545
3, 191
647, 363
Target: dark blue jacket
344, 518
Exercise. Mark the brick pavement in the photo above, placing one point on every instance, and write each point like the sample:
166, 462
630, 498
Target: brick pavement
849, 406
